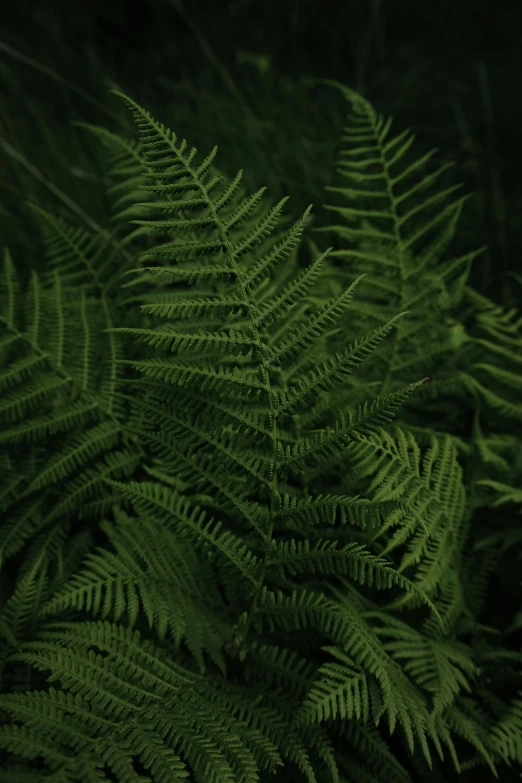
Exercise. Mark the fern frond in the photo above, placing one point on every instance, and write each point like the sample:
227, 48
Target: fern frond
126, 699
153, 571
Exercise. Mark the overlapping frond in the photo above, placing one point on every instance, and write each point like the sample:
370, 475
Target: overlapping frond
196, 452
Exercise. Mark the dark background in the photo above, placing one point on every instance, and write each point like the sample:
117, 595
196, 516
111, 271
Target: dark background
240, 74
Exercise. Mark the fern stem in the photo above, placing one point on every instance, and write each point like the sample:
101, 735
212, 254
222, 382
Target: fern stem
247, 622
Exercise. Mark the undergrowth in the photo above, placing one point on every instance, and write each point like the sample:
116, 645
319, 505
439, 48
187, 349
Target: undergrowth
260, 496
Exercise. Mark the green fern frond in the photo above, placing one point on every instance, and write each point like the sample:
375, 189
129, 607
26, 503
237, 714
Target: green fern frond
58, 404
432, 482
117, 699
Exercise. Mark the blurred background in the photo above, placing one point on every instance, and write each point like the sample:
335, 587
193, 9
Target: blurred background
242, 74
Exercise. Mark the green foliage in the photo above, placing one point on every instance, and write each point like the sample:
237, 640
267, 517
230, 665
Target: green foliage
245, 534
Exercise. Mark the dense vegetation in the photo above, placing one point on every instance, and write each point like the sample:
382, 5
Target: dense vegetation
260, 494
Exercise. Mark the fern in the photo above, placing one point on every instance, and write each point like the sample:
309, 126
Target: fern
252, 522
